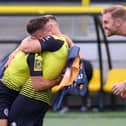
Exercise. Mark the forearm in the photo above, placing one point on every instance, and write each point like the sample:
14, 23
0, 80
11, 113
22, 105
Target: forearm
11, 56
30, 45
40, 84
15, 52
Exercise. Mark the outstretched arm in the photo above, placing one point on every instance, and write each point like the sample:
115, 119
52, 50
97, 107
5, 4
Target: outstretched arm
119, 89
30, 44
39, 84
11, 56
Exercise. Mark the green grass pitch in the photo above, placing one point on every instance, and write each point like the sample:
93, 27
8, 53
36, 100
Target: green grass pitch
86, 119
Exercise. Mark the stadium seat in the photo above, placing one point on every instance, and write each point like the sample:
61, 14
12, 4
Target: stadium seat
94, 84
115, 75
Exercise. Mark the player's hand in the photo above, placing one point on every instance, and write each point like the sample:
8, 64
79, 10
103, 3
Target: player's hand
57, 81
119, 88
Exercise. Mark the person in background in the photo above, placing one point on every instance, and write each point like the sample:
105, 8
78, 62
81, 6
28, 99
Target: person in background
114, 23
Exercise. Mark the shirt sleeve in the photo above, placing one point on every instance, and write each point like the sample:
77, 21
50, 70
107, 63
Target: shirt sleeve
31, 64
50, 44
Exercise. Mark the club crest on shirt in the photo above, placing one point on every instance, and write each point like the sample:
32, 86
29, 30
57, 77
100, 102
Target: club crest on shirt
38, 63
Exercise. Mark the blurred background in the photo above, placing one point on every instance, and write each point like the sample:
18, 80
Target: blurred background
81, 20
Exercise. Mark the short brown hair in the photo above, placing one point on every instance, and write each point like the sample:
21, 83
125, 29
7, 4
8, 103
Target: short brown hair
38, 23
116, 11
50, 17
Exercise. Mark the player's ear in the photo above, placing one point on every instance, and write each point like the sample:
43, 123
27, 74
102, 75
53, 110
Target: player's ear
38, 35
118, 22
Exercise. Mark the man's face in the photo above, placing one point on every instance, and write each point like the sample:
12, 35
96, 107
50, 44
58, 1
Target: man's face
109, 25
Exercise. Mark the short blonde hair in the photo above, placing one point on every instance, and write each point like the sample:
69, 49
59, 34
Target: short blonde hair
117, 11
